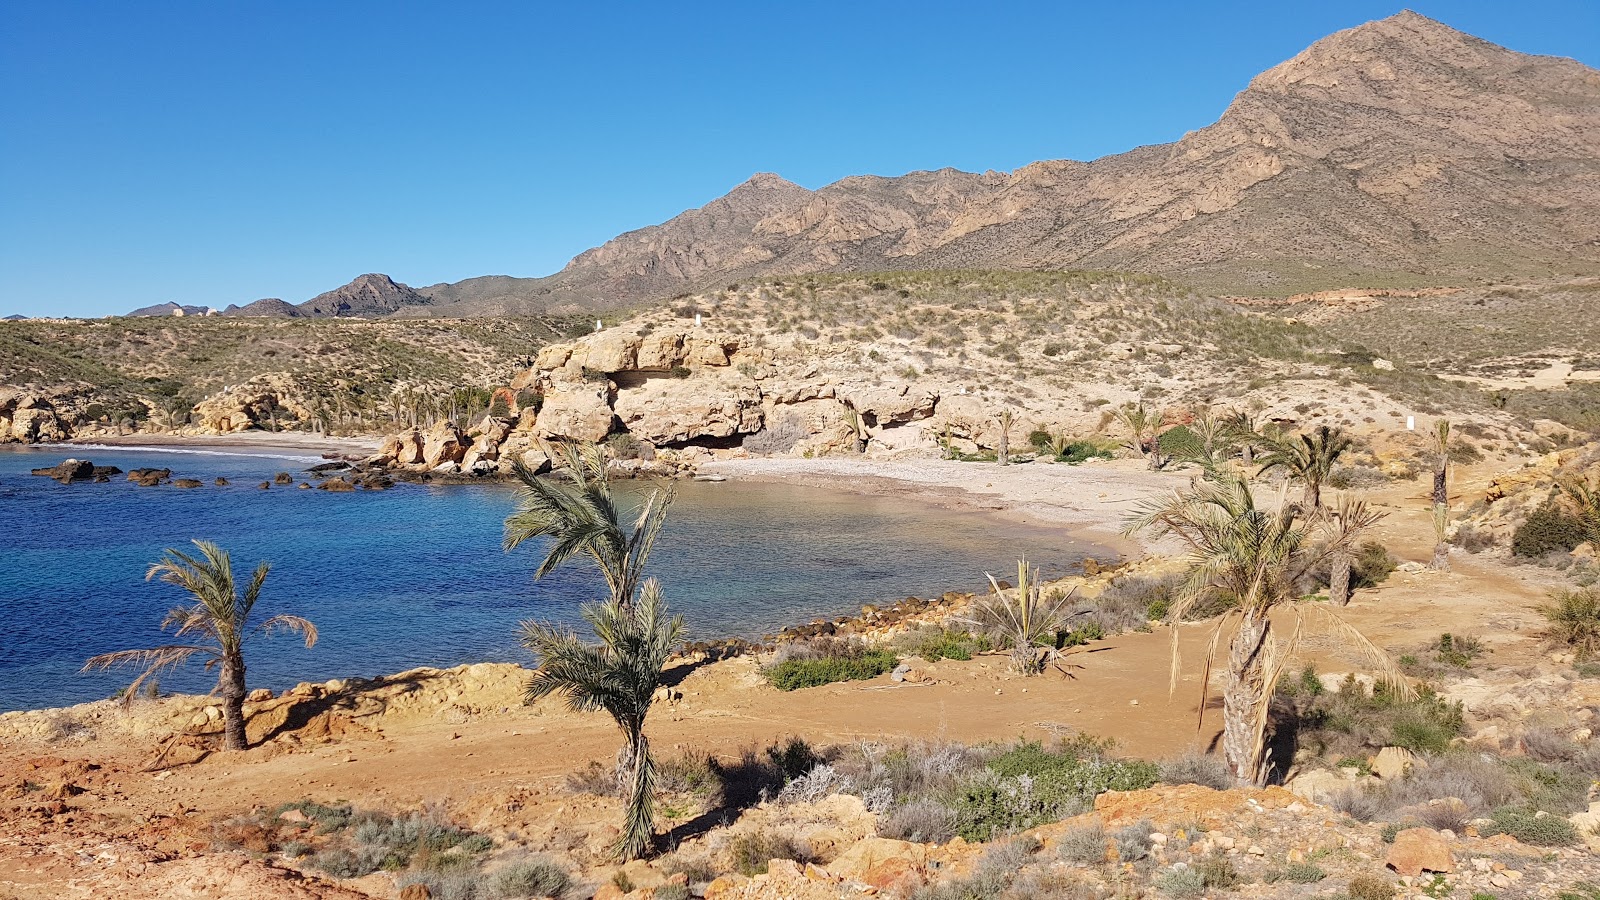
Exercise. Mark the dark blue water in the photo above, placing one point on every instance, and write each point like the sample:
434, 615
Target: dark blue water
416, 576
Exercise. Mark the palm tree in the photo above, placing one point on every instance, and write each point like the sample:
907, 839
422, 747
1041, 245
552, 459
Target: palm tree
620, 676
1355, 515
1441, 496
1585, 502
1251, 557
582, 517
219, 619
1308, 458
1144, 432
1003, 451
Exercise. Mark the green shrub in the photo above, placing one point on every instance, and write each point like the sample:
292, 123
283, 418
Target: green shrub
1184, 882
1372, 566
1548, 529
752, 851
794, 674
1081, 451
1297, 872
1458, 651
1028, 785
942, 643
1218, 872
1574, 618
1532, 826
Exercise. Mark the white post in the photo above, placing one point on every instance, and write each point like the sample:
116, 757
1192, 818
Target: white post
697, 320
596, 324
1411, 423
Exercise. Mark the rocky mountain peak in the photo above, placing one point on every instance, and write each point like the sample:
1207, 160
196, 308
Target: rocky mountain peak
370, 295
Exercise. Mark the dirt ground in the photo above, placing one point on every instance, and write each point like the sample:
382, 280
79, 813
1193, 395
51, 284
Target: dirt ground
135, 833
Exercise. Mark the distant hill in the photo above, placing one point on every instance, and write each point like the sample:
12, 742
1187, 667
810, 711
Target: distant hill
170, 309
369, 296
1398, 153
271, 306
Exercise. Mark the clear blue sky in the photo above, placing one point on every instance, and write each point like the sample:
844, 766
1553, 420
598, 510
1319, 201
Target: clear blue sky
219, 152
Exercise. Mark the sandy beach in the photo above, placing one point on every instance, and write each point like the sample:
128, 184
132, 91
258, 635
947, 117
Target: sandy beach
246, 442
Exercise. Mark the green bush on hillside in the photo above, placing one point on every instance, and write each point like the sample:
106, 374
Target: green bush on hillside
1547, 529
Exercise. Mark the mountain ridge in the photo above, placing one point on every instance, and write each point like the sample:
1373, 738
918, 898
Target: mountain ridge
1398, 153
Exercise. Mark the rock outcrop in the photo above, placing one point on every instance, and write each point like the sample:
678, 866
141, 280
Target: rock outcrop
29, 418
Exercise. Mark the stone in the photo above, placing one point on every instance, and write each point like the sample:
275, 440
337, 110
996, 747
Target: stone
149, 477
611, 351
895, 405
724, 886
881, 862
661, 350
336, 485
578, 412
417, 891
1588, 825
68, 470
187, 482
1418, 850
283, 478
444, 443
676, 410
1318, 785
1393, 762
259, 695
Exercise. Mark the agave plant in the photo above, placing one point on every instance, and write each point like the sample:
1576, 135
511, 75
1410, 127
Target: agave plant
1253, 556
1025, 618
218, 621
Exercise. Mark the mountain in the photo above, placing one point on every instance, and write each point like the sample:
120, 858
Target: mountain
271, 306
170, 309
1398, 153
369, 296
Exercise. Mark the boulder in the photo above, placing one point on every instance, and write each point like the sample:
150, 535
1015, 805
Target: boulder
336, 485
662, 350
444, 444
1418, 850
708, 350
283, 478
68, 471
1318, 785
149, 477
894, 405
611, 351
675, 410
1393, 762
577, 412
883, 863
187, 482
552, 357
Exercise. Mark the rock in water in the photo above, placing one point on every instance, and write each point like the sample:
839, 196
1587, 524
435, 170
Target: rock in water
149, 477
68, 471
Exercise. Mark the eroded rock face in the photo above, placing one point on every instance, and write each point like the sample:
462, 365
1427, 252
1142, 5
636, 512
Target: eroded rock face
257, 403
444, 444
576, 411
677, 410
28, 418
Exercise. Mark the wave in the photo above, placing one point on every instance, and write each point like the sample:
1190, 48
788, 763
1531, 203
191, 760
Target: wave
139, 448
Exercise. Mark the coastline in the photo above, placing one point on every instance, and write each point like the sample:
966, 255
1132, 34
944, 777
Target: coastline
1090, 501
243, 442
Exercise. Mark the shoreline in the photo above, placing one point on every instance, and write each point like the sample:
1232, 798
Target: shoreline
240, 443
1089, 501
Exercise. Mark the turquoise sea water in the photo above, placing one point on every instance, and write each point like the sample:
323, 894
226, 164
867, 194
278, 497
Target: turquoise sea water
416, 576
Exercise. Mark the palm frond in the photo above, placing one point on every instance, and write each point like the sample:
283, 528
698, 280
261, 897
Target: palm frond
296, 624
154, 661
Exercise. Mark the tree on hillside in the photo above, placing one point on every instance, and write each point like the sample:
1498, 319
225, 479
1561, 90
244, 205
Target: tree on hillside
1250, 557
1003, 451
218, 620
1441, 495
1354, 515
1584, 499
1308, 458
580, 517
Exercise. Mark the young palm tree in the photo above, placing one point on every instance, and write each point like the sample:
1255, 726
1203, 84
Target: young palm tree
1144, 432
1253, 557
1355, 515
1026, 618
220, 621
1585, 502
1308, 458
620, 676
581, 517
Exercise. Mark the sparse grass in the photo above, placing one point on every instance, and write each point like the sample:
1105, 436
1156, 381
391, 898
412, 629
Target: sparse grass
749, 852
1574, 621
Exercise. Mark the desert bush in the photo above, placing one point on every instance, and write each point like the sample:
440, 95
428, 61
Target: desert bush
1218, 873
1349, 722
690, 772
1531, 826
536, 877
1357, 803
1370, 886
1197, 768
1574, 621
933, 643
694, 869
1028, 785
1473, 539
1303, 872
796, 673
1131, 602
594, 779
1181, 881
1084, 844
325, 819
1446, 813
1372, 566
751, 851
1457, 650
1548, 529
924, 821
991, 875
1133, 841
1548, 745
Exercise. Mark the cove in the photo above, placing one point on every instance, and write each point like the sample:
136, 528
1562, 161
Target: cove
415, 575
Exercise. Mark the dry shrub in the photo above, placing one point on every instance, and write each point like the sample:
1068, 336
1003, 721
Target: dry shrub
1197, 768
